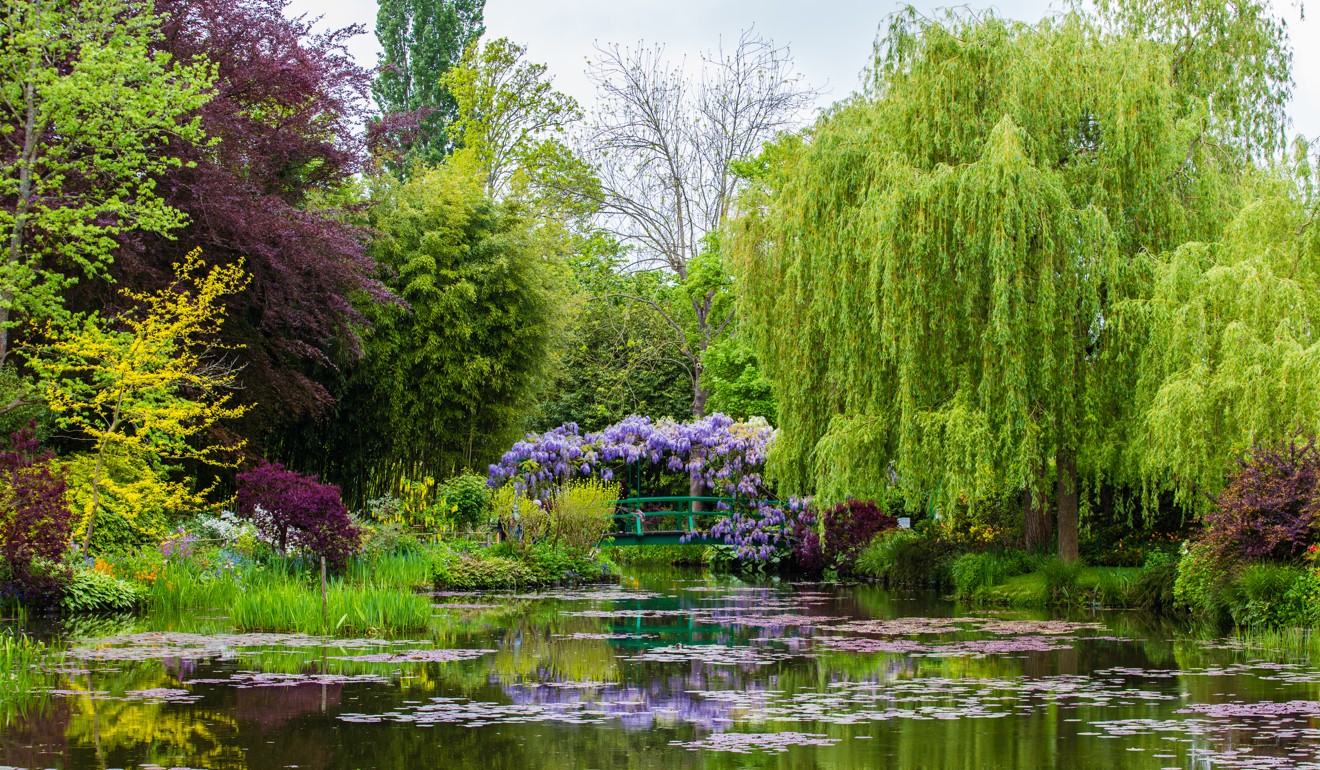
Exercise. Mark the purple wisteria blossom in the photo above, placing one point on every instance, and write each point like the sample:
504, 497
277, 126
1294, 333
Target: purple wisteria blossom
726, 457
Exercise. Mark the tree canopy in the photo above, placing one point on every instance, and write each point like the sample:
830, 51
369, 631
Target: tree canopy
448, 378
420, 41
929, 275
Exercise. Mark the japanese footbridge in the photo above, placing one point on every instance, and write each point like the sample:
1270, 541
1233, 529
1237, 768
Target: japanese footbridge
679, 515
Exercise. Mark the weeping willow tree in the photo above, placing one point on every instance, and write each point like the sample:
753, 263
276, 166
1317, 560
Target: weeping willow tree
928, 272
1225, 337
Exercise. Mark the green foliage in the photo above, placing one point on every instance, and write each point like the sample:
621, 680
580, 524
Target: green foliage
619, 355
1224, 338
148, 383
89, 108
1261, 596
398, 571
1301, 604
505, 567
137, 501
581, 512
1061, 579
447, 380
21, 658
973, 571
289, 607
691, 555
1152, 589
420, 40
467, 498
929, 281
909, 558
508, 114
737, 386
1113, 589
95, 591
523, 520
381, 537
1201, 583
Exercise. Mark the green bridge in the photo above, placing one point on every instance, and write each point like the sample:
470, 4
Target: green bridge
683, 511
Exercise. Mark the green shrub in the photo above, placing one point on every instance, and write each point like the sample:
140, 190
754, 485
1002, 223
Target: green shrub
1257, 597
1061, 579
974, 571
909, 558
523, 520
507, 566
93, 591
466, 572
467, 500
1113, 590
693, 554
1201, 584
1302, 600
388, 537
582, 513
1152, 589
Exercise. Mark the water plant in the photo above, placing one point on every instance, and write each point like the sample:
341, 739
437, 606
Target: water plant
19, 659
286, 607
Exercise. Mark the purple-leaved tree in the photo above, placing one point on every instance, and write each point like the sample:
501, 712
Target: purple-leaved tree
35, 521
298, 514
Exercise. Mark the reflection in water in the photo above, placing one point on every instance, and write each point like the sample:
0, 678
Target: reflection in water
674, 672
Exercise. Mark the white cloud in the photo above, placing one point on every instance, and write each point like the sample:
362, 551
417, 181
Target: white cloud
830, 40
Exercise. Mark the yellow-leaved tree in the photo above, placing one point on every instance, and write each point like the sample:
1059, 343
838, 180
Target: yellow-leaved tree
149, 382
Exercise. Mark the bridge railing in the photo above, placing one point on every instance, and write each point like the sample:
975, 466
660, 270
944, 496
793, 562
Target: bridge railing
681, 507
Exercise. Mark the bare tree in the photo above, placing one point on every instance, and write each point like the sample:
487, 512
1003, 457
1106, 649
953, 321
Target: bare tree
664, 144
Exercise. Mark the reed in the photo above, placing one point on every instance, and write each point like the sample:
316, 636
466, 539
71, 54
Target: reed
21, 676
404, 571
296, 608
1297, 643
180, 588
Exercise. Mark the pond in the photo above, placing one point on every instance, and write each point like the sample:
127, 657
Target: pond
675, 670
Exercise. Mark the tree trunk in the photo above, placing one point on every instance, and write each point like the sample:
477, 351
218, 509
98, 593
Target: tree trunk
1036, 508
1065, 491
96, 500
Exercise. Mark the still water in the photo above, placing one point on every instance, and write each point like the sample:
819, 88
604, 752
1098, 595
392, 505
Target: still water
675, 670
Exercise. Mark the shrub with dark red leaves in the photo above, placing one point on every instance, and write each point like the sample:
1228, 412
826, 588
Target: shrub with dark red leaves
847, 529
1270, 507
298, 514
806, 548
35, 521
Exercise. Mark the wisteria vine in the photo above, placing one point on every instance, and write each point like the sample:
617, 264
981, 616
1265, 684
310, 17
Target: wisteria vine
725, 456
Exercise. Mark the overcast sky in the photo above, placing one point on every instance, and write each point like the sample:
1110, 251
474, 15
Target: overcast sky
830, 40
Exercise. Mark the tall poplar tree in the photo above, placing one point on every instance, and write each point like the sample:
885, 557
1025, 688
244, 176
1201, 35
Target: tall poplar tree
927, 275
420, 41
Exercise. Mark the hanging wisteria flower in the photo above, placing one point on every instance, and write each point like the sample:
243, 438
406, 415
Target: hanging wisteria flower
723, 455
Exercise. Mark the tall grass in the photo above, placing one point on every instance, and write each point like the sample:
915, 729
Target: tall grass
403, 571
1295, 643
179, 588
1061, 579
296, 608
20, 669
